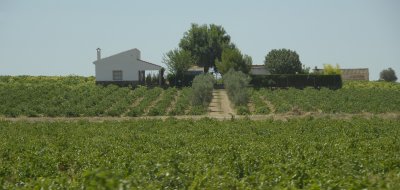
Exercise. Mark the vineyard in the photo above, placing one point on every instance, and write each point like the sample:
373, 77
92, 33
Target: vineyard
206, 154
79, 96
355, 97
306, 153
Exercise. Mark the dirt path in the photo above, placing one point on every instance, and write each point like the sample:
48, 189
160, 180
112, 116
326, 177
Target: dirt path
220, 106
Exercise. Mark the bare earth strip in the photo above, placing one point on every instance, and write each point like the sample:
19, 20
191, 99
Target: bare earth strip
220, 106
280, 117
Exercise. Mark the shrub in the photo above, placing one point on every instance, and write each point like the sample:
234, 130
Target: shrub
202, 89
331, 70
283, 61
235, 83
183, 81
388, 75
243, 110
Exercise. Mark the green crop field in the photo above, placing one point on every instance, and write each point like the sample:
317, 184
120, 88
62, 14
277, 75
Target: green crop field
79, 96
307, 153
354, 97
204, 154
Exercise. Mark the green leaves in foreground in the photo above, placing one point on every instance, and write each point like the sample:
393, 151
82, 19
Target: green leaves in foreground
206, 154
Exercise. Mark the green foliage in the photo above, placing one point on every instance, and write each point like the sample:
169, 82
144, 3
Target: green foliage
205, 43
149, 98
259, 104
182, 103
160, 108
233, 59
242, 110
331, 70
202, 90
79, 97
388, 75
283, 61
183, 80
236, 83
178, 61
371, 85
203, 154
345, 100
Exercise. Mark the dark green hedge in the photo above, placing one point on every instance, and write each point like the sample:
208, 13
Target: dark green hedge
181, 81
297, 81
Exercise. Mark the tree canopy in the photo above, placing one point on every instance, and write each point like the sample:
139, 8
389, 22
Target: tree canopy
388, 75
331, 70
205, 43
178, 61
232, 58
283, 61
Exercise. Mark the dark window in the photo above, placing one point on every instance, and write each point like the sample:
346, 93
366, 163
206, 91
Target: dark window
117, 75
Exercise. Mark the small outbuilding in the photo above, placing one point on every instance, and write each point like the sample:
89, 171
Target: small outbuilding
125, 68
259, 70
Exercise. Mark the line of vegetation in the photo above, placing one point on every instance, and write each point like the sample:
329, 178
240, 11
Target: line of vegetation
259, 105
161, 107
346, 100
236, 83
149, 97
75, 96
203, 154
202, 90
183, 102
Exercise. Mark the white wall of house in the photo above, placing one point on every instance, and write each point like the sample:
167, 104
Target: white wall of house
128, 62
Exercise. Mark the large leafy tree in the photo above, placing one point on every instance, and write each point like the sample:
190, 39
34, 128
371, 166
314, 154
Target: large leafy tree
178, 61
232, 58
205, 43
283, 61
388, 75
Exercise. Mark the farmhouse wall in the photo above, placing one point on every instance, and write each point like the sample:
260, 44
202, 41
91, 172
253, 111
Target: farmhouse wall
128, 62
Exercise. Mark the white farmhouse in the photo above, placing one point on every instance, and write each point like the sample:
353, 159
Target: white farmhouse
125, 68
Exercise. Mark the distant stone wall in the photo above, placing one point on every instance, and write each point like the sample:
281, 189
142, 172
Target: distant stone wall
355, 74
351, 74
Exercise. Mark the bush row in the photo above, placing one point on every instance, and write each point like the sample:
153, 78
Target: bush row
202, 86
235, 83
182, 81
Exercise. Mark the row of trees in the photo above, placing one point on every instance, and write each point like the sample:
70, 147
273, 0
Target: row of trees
209, 46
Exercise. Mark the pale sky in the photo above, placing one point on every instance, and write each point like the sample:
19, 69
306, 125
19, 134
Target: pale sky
54, 37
